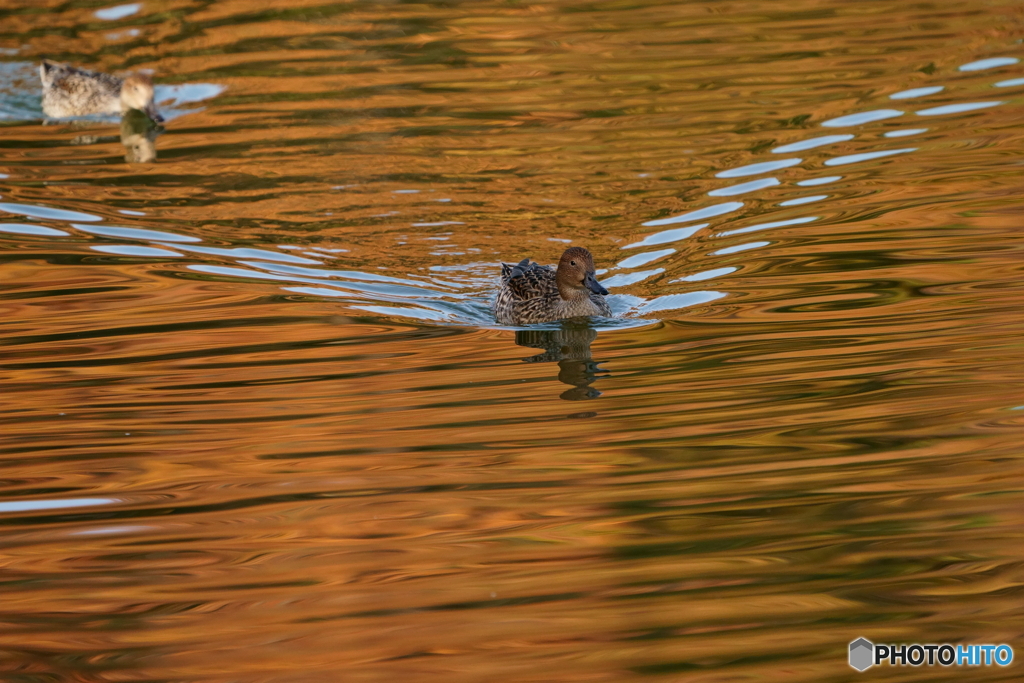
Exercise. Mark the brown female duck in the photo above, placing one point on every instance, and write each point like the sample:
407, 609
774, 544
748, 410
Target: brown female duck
532, 293
70, 91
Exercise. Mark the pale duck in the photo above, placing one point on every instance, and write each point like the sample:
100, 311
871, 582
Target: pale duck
70, 91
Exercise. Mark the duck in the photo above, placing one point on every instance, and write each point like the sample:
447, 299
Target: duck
531, 293
71, 91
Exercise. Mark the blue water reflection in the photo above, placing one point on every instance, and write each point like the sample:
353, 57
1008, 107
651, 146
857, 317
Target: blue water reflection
957, 108
905, 132
744, 188
739, 247
917, 92
51, 213
52, 504
643, 259
29, 229
866, 156
765, 226
117, 12
861, 118
678, 301
759, 168
134, 250
812, 143
135, 233
990, 63
803, 200
708, 274
667, 236
824, 180
699, 214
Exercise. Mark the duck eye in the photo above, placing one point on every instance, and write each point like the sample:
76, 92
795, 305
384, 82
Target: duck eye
572, 263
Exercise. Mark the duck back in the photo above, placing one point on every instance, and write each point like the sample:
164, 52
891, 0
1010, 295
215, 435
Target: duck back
70, 91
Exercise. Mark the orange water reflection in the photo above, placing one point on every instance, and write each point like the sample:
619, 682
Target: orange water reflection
214, 475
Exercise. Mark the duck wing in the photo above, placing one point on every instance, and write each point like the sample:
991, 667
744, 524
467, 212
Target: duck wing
67, 77
528, 280
49, 70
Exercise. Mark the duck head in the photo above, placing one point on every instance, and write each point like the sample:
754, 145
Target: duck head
137, 93
576, 274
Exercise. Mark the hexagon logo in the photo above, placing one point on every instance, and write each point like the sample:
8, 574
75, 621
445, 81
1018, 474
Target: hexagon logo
862, 653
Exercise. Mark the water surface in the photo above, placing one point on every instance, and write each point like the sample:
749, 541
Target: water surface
259, 424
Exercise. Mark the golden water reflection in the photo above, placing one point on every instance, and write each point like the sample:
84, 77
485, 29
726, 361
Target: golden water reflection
256, 423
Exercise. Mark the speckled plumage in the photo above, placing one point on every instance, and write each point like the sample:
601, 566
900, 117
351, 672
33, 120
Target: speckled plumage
531, 293
70, 91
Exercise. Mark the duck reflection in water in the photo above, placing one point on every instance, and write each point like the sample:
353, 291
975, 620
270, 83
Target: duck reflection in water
138, 135
569, 346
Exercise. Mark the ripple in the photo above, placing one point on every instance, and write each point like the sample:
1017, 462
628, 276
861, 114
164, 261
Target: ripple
230, 271
359, 284
803, 200
706, 212
33, 505
349, 447
129, 33
48, 212
862, 118
905, 132
812, 143
117, 12
643, 259
29, 229
756, 169
739, 247
623, 279
957, 108
1013, 82
708, 274
405, 312
173, 99
111, 530
186, 93
866, 156
666, 236
248, 252
917, 92
318, 291
135, 233
765, 226
824, 180
174, 96
670, 302
743, 188
990, 63
133, 250
328, 273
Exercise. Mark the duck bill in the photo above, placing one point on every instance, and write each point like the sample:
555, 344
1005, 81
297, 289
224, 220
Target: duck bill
593, 285
152, 113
